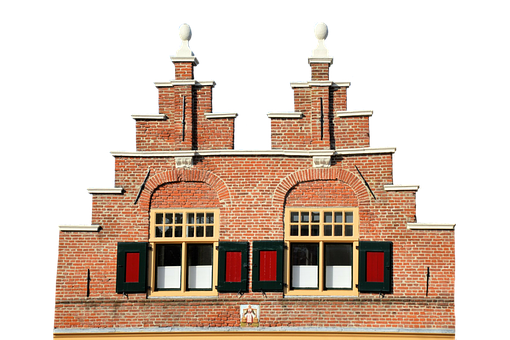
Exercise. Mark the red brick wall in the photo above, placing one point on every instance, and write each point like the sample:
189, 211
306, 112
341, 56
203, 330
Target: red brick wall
251, 192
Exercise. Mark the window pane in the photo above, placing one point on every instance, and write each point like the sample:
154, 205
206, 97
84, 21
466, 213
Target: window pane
338, 258
159, 231
178, 218
209, 218
349, 217
316, 216
294, 230
209, 231
338, 217
168, 218
328, 217
190, 231
200, 218
200, 266
168, 231
200, 231
178, 231
338, 230
348, 230
306, 254
305, 216
168, 261
304, 230
159, 218
191, 218
315, 230
199, 254
328, 230
294, 217
305, 269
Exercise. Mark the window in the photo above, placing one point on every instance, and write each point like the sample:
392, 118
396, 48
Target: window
184, 255
321, 258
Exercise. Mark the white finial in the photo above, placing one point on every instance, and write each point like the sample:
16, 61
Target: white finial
184, 52
320, 52
185, 34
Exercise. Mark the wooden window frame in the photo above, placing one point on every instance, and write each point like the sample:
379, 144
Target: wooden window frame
184, 241
321, 239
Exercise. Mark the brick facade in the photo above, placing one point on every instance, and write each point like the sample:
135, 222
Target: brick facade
251, 192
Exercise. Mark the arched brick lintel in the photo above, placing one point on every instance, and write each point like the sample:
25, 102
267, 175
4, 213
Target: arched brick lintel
309, 175
183, 175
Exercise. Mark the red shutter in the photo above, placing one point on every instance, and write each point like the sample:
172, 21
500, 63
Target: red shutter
233, 266
132, 267
267, 265
375, 266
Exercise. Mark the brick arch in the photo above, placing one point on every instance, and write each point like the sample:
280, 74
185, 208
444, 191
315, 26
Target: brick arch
184, 175
309, 175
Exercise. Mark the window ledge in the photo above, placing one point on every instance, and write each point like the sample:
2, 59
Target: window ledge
286, 115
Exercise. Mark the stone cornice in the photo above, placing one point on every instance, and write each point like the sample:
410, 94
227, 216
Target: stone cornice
213, 115
285, 115
354, 113
289, 153
430, 226
325, 60
149, 117
107, 191
82, 228
185, 82
392, 187
319, 83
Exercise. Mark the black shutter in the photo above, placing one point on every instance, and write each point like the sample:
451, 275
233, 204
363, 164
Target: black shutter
232, 267
267, 272
131, 267
375, 267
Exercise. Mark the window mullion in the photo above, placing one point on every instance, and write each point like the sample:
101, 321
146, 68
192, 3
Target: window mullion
321, 266
184, 267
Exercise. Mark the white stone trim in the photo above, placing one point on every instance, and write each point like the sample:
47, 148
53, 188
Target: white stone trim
322, 161
291, 115
105, 191
319, 83
320, 60
149, 117
262, 330
343, 114
430, 226
391, 187
213, 115
193, 60
184, 162
84, 228
185, 82
290, 153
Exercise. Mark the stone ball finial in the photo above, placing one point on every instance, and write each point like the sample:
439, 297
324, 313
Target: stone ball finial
185, 32
321, 31
185, 35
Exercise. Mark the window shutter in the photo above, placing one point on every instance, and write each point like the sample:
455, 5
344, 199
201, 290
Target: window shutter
267, 272
375, 266
131, 267
232, 267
